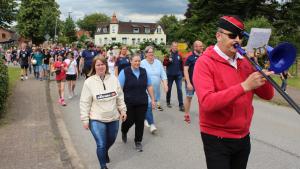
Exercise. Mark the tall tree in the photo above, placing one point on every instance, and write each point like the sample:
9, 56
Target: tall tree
171, 26
69, 30
8, 10
202, 15
89, 22
36, 18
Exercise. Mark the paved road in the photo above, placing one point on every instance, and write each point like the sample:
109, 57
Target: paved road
177, 145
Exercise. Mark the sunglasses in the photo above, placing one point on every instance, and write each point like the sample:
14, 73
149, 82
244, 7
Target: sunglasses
233, 36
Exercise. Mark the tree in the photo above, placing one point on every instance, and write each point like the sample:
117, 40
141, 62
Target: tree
7, 12
202, 15
69, 30
89, 22
171, 25
36, 18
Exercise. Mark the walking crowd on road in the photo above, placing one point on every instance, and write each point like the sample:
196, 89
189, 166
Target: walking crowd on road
120, 86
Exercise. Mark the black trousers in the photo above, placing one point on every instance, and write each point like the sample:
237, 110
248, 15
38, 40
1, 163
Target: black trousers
223, 153
135, 115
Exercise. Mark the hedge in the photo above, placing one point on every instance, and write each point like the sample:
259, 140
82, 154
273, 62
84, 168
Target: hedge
3, 86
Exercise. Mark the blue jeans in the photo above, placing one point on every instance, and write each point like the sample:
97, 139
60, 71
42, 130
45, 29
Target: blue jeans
284, 84
149, 114
178, 81
105, 135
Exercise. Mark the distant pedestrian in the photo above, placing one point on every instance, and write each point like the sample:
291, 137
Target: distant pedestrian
284, 76
157, 75
122, 60
87, 57
24, 57
135, 83
39, 57
188, 71
174, 66
101, 106
72, 73
60, 68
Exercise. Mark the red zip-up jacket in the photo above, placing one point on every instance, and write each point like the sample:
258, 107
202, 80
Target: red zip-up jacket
225, 109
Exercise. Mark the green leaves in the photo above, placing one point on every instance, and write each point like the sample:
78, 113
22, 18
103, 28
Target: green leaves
36, 18
90, 22
8, 11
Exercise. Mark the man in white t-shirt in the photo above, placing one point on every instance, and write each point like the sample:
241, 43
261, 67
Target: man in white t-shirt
72, 73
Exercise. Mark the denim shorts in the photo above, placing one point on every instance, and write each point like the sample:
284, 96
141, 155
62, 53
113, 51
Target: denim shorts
189, 93
38, 68
45, 67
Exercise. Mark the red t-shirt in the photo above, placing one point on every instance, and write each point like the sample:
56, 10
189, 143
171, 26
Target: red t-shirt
60, 66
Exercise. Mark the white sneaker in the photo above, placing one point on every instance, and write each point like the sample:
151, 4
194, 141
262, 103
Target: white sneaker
153, 129
26, 77
70, 97
146, 123
22, 78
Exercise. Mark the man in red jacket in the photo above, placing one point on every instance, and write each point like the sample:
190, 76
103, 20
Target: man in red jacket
225, 83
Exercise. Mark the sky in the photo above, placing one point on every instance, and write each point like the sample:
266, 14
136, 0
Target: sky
134, 10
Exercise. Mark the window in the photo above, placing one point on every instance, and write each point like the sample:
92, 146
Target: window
144, 39
99, 30
159, 30
124, 40
113, 39
3, 36
155, 40
105, 40
104, 30
136, 30
133, 41
162, 40
147, 30
100, 40
138, 41
113, 29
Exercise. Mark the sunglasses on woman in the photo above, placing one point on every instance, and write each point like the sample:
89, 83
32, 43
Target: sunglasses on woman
232, 35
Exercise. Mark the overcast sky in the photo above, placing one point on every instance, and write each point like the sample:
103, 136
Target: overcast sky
134, 10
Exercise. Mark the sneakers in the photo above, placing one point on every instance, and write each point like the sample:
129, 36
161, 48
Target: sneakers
26, 77
159, 108
146, 123
181, 108
138, 146
153, 129
187, 118
169, 105
124, 137
70, 97
22, 78
62, 102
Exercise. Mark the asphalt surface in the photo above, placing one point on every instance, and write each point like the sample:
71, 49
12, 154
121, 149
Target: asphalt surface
275, 138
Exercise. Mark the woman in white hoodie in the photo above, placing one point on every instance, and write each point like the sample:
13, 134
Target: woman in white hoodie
101, 106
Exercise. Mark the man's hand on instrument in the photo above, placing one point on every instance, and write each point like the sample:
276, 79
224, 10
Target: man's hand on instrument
255, 80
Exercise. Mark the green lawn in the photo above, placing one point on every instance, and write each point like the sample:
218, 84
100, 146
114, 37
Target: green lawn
292, 81
14, 76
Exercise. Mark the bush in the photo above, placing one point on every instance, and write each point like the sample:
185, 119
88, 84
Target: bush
3, 86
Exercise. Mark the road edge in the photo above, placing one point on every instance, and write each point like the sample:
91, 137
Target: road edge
67, 151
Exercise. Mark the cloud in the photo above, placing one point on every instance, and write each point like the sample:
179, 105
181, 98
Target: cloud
135, 10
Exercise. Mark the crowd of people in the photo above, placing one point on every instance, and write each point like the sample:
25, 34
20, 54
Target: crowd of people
125, 87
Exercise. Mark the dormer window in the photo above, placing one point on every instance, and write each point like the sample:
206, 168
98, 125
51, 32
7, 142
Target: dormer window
136, 30
147, 30
104, 30
159, 30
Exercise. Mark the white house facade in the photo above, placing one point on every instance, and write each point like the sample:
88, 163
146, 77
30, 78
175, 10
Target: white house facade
128, 33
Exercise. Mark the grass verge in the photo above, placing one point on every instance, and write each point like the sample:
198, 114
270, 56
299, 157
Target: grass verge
13, 77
